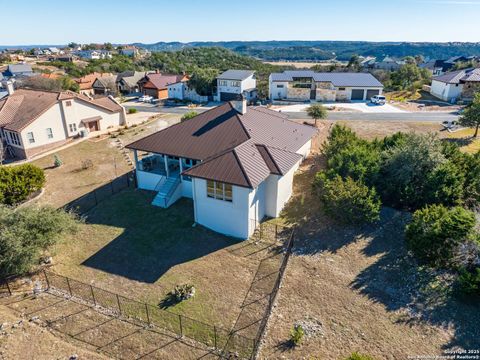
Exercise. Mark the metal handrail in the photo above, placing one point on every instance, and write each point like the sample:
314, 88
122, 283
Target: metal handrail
172, 190
160, 183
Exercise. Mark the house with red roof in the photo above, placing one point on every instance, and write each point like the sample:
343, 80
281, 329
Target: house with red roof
235, 162
156, 84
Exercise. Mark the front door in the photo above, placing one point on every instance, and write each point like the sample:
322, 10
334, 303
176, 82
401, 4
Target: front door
93, 126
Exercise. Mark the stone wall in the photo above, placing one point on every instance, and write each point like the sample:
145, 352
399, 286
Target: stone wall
469, 89
324, 85
325, 95
298, 93
342, 96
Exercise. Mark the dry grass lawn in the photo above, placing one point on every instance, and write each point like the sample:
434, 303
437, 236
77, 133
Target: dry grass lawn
360, 288
142, 252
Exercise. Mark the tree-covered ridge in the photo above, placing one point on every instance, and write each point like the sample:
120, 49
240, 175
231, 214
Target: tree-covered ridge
324, 50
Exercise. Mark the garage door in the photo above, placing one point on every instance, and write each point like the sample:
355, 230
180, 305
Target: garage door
357, 94
228, 96
371, 93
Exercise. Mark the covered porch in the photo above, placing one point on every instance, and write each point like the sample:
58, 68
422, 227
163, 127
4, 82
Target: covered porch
162, 173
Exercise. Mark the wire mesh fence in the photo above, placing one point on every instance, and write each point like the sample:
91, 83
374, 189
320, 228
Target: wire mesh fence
93, 198
180, 325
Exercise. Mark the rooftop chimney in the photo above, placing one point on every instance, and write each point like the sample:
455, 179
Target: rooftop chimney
8, 85
240, 104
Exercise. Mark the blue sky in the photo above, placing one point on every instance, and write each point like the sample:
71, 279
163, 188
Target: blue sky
148, 21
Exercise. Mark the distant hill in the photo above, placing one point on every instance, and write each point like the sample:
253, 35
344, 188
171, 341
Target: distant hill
326, 50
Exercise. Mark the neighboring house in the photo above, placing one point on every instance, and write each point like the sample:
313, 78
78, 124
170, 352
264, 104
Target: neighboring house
94, 54
16, 70
368, 62
156, 84
436, 67
182, 91
236, 163
129, 51
455, 85
232, 83
86, 82
33, 121
105, 85
304, 85
389, 63
127, 82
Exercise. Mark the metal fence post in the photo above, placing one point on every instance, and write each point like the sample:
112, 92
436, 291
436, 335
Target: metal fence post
93, 296
180, 322
8, 287
46, 279
148, 315
69, 288
276, 232
215, 336
118, 302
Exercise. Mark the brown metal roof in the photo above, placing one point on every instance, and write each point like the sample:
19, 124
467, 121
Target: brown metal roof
204, 136
240, 149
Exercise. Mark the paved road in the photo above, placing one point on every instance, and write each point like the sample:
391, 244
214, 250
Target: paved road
406, 116
417, 116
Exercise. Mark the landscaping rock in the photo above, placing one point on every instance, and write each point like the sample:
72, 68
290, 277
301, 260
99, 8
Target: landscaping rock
312, 327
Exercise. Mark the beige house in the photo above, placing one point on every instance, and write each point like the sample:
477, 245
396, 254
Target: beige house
33, 122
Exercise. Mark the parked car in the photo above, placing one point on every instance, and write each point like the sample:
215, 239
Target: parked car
145, 98
450, 124
378, 100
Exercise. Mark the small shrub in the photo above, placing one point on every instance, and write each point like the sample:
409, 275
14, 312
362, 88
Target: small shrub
436, 231
17, 183
347, 200
358, 356
189, 115
87, 164
57, 162
469, 281
296, 335
121, 132
183, 292
132, 111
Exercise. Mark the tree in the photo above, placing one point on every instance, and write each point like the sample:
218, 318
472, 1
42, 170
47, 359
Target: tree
354, 62
435, 231
471, 115
317, 112
203, 81
406, 167
26, 232
347, 201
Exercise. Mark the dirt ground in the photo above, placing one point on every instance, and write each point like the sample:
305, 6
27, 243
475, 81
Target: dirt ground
357, 289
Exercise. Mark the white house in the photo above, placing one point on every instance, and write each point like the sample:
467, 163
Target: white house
181, 91
32, 121
232, 83
236, 163
455, 85
304, 85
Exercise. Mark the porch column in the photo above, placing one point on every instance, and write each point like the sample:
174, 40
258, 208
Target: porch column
165, 159
135, 155
181, 167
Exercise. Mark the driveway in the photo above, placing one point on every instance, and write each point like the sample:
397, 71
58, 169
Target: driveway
361, 107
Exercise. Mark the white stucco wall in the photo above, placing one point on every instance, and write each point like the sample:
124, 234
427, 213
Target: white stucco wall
187, 189
275, 92
229, 218
176, 91
53, 119
446, 91
147, 180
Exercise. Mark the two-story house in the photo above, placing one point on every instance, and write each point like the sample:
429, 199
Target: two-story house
232, 83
